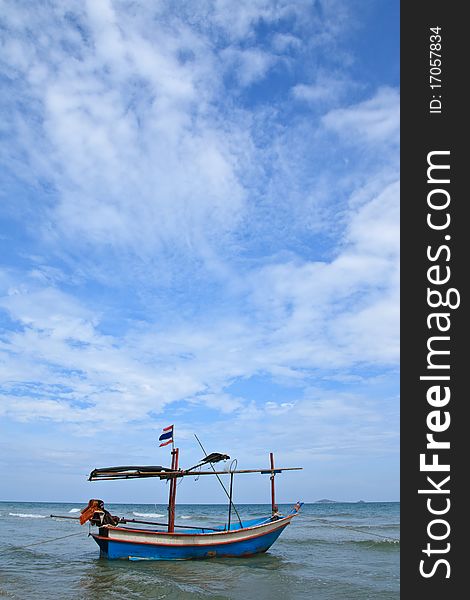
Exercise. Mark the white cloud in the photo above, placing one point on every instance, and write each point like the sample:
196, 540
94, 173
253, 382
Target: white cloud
374, 228
374, 120
338, 314
312, 315
327, 87
239, 24
285, 41
137, 155
250, 65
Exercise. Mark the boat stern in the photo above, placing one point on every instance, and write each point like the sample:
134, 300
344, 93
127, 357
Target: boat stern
101, 538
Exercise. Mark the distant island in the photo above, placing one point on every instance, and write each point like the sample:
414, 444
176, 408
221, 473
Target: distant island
327, 501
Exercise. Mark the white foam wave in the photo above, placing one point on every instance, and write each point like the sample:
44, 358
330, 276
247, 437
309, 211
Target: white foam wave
27, 516
138, 514
185, 517
74, 510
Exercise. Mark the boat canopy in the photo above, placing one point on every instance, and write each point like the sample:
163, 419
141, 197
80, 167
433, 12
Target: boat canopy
165, 473
127, 472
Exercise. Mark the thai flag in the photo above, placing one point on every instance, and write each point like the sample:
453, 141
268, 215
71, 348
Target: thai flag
167, 436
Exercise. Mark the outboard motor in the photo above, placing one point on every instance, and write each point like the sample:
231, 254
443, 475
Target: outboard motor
96, 513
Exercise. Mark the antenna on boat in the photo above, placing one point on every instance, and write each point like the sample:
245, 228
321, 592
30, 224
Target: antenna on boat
229, 495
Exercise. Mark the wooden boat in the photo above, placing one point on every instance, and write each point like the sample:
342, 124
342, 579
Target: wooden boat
160, 541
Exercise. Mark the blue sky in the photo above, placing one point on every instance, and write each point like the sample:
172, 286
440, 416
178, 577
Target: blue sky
199, 226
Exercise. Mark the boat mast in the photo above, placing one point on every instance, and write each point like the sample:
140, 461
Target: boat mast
274, 507
172, 494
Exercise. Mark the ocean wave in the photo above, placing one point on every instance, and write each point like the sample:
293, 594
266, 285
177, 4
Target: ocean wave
74, 510
185, 517
386, 543
341, 514
138, 514
27, 515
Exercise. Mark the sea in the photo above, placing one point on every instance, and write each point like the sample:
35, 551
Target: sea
331, 551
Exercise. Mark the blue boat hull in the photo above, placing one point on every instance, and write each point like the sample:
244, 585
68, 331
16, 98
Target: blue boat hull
256, 540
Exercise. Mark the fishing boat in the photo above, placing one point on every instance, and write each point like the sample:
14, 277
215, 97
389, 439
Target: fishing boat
127, 539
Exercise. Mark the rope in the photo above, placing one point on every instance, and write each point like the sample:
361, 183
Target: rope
44, 541
384, 537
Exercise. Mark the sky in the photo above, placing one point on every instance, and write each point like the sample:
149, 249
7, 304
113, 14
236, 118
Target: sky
199, 227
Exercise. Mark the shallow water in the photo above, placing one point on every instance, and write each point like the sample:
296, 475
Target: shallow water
321, 556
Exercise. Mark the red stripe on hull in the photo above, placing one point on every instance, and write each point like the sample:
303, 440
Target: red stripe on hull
214, 542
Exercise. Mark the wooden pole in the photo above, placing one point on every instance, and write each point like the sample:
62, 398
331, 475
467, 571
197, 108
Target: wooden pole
172, 499
274, 507
170, 493
230, 501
